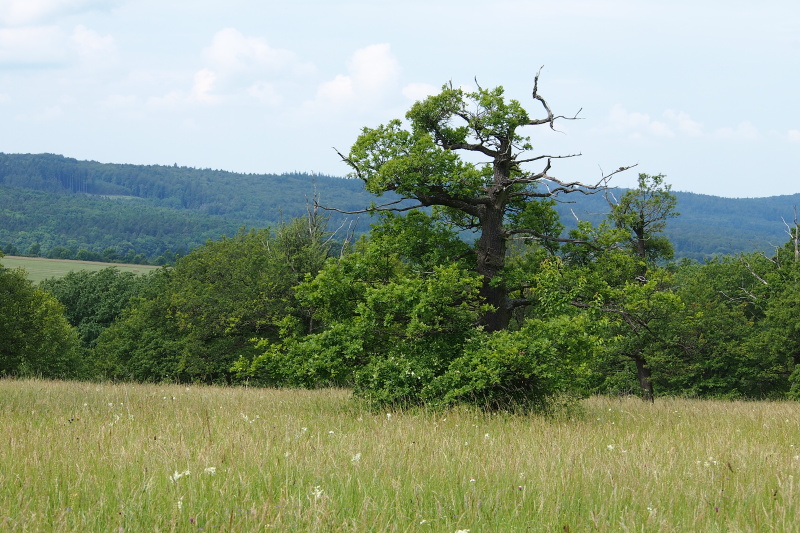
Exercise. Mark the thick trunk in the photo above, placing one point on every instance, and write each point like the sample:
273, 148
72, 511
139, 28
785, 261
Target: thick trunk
491, 252
645, 378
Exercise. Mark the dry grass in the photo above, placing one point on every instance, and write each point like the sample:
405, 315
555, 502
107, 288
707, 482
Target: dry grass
87, 457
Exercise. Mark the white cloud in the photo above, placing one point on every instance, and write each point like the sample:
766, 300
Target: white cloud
231, 51
170, 100
27, 46
31, 12
744, 131
95, 50
373, 73
204, 81
49, 114
636, 125
120, 101
373, 69
676, 124
4, 98
265, 93
794, 135
419, 91
337, 91
250, 67
684, 123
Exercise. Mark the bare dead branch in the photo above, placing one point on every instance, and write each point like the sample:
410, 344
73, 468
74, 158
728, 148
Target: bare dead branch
349, 163
375, 209
794, 234
542, 237
748, 267
551, 118
563, 186
539, 158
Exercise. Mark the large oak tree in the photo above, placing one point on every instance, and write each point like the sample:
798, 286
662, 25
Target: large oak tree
431, 161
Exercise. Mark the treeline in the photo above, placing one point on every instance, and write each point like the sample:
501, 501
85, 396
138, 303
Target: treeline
709, 225
475, 293
396, 317
59, 206
59, 226
74, 209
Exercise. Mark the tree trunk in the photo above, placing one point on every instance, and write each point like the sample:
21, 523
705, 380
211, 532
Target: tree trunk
645, 377
491, 255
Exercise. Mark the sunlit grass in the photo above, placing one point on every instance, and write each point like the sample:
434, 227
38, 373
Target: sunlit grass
40, 268
87, 457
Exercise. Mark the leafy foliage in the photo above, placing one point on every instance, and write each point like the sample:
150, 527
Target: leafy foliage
94, 300
37, 340
194, 321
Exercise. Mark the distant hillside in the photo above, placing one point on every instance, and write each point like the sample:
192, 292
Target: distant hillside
63, 206
59, 202
707, 225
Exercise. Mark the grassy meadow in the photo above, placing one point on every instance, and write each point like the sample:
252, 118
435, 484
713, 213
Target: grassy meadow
39, 268
125, 458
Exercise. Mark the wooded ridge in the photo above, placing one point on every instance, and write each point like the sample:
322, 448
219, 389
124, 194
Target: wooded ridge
56, 205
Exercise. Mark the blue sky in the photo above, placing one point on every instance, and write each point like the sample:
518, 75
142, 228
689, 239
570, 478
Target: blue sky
704, 91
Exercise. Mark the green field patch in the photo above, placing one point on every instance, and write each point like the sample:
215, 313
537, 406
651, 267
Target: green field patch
39, 268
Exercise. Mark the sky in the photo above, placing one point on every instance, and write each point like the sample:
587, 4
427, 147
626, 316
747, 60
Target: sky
702, 91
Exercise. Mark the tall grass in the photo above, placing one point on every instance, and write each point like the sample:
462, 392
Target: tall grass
88, 457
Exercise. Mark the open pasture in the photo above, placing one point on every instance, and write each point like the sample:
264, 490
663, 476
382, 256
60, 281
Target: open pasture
39, 268
102, 457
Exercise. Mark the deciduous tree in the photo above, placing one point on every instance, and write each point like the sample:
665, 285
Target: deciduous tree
36, 338
430, 162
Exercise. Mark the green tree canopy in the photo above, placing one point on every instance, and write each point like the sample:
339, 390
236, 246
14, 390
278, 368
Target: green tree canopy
36, 338
430, 161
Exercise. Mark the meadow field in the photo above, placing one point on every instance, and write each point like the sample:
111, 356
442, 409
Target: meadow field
128, 458
39, 268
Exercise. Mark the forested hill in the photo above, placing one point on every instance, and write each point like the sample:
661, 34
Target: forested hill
148, 210
60, 206
708, 225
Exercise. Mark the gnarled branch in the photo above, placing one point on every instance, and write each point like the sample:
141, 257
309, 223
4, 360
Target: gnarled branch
551, 118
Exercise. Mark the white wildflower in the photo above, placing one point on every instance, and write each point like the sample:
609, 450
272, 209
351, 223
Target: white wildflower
357, 457
210, 470
177, 475
317, 492
610, 447
180, 504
